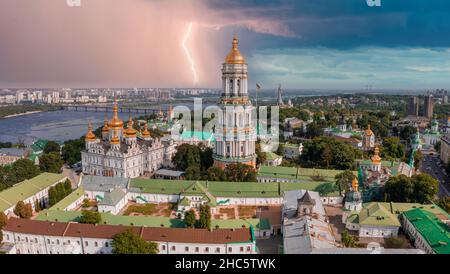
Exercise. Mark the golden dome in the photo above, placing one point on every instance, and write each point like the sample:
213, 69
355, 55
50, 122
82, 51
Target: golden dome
115, 122
369, 132
130, 132
355, 184
145, 133
105, 128
235, 56
90, 136
115, 140
376, 159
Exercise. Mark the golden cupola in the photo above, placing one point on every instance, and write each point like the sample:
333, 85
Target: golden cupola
235, 56
90, 136
115, 122
376, 159
369, 132
115, 139
355, 184
130, 132
105, 128
146, 133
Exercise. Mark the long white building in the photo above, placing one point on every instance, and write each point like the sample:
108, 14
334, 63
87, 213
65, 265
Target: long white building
42, 237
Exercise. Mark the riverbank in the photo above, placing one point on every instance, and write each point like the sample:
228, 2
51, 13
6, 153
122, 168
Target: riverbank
21, 114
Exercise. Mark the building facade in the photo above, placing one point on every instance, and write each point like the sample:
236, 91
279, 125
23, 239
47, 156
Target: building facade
42, 237
235, 135
122, 153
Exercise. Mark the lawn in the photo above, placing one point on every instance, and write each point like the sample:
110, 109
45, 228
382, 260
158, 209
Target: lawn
146, 209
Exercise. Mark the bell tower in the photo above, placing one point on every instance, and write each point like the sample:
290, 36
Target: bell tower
235, 136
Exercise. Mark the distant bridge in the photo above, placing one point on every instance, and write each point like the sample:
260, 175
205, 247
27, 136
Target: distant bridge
94, 108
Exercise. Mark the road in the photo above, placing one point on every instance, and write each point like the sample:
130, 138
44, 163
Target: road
431, 164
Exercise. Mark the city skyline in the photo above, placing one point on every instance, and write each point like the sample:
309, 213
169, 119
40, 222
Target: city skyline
180, 43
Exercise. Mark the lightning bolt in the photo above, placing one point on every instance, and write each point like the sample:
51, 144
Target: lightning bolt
188, 54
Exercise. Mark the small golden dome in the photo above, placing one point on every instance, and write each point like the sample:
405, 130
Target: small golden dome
90, 136
145, 133
355, 184
115, 140
115, 122
369, 132
235, 56
376, 159
130, 132
105, 128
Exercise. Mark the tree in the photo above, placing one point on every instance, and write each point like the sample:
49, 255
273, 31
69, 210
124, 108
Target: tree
444, 203
399, 189
186, 156
260, 156
314, 130
86, 203
3, 220
417, 189
19, 208
344, 180
418, 157
67, 187
52, 146
192, 173
128, 242
52, 196
215, 174
71, 151
22, 210
425, 187
395, 242
21, 170
90, 217
189, 218
407, 131
37, 206
237, 172
392, 148
348, 240
205, 217
51, 162
206, 157
326, 188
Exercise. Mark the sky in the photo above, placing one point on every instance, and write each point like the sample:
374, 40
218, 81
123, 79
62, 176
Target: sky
300, 44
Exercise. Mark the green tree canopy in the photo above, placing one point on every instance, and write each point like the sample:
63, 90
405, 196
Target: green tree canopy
193, 173
344, 180
189, 218
128, 242
215, 174
186, 156
71, 151
22, 210
417, 189
52, 146
90, 217
237, 172
392, 148
51, 162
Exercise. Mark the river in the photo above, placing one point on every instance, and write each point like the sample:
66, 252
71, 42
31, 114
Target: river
54, 125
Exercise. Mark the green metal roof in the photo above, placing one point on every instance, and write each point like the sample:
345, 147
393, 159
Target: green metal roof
221, 189
377, 215
386, 214
272, 156
302, 174
113, 197
27, 188
148, 221
434, 231
199, 135
69, 199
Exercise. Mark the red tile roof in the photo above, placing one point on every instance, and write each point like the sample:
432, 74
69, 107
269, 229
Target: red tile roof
178, 235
